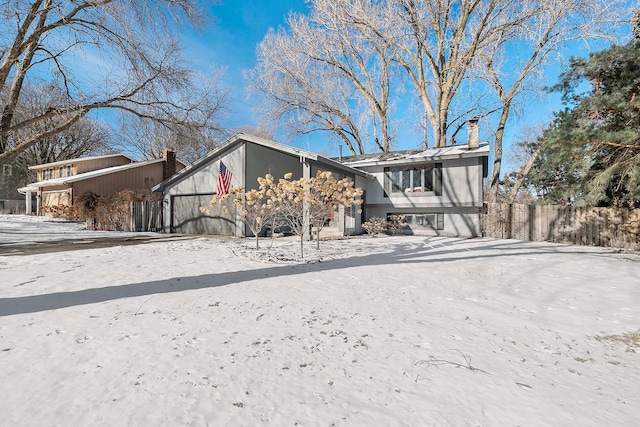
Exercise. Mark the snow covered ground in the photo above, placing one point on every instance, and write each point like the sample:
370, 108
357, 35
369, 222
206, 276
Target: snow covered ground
387, 331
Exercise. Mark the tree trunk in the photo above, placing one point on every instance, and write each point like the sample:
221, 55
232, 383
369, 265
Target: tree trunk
301, 245
523, 174
497, 161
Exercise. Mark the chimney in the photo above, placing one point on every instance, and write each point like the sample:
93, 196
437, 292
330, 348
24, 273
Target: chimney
474, 133
169, 157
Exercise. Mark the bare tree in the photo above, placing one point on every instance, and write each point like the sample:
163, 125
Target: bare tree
326, 74
85, 137
103, 54
540, 34
446, 49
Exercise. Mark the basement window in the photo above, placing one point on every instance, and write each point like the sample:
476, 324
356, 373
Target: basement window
434, 221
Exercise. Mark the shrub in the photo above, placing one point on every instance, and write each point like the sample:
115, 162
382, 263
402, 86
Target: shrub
113, 212
395, 223
375, 226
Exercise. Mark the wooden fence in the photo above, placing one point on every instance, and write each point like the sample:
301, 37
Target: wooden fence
146, 216
609, 227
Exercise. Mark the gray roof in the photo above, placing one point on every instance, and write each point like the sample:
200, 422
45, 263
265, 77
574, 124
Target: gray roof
413, 156
79, 159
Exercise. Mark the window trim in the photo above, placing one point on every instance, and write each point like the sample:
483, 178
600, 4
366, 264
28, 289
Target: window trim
434, 220
394, 180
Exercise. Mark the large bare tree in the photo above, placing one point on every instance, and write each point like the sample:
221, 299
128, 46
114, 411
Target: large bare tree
104, 54
462, 58
325, 74
87, 136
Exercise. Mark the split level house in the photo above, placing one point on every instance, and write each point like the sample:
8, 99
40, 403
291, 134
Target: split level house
60, 183
438, 190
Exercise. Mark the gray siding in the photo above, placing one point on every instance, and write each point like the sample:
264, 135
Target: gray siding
461, 186
183, 199
186, 217
460, 201
263, 160
457, 221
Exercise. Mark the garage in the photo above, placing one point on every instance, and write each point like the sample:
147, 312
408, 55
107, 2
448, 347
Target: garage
186, 217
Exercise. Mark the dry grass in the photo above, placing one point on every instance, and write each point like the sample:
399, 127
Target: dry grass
630, 339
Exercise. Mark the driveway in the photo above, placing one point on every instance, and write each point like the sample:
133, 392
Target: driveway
26, 235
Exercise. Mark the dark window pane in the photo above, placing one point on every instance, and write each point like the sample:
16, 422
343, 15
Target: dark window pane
406, 180
417, 180
395, 180
428, 179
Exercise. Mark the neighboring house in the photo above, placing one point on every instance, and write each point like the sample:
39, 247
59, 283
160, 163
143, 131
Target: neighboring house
11, 177
247, 158
60, 183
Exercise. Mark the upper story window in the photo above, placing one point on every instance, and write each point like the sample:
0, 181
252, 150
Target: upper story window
7, 170
50, 173
60, 171
68, 170
414, 180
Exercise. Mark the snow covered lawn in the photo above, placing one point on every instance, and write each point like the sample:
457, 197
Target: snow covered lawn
367, 332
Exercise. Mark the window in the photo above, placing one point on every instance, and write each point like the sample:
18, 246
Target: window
425, 220
413, 180
60, 170
7, 170
50, 173
68, 170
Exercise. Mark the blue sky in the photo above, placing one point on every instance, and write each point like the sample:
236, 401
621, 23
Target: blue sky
230, 42
239, 25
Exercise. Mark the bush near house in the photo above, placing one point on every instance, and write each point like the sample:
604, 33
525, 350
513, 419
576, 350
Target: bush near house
375, 226
111, 212
395, 223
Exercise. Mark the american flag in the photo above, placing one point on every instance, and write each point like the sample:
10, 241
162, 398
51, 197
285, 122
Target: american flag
224, 180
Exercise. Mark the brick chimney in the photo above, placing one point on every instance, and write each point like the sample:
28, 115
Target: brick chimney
474, 133
169, 157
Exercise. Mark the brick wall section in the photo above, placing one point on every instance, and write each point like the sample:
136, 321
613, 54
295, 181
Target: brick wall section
169, 157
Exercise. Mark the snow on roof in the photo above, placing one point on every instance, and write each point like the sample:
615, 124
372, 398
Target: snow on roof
79, 159
410, 156
87, 175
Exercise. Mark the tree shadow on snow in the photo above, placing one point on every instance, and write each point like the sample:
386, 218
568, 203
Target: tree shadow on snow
422, 251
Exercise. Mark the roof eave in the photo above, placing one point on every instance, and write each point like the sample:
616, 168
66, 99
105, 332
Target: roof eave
79, 159
478, 152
